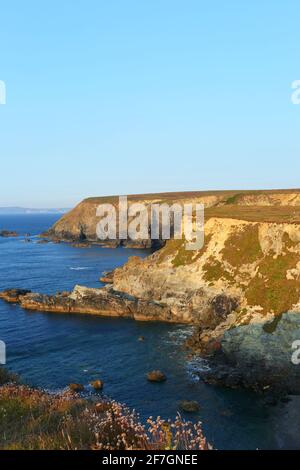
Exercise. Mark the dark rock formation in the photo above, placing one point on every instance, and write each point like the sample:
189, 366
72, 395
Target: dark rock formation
13, 295
102, 302
256, 357
7, 233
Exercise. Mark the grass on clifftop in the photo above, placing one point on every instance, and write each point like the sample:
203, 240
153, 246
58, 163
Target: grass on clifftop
276, 214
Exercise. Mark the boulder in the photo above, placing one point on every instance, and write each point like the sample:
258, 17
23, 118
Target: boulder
97, 384
156, 376
74, 387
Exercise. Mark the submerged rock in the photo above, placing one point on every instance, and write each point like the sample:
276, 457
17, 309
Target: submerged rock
81, 245
189, 406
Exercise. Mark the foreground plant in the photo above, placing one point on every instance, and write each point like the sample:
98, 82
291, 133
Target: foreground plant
34, 419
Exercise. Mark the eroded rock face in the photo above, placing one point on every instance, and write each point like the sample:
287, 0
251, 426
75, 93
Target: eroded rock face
248, 267
260, 355
246, 277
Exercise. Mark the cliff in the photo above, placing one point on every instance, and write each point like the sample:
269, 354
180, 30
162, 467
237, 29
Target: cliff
80, 223
237, 290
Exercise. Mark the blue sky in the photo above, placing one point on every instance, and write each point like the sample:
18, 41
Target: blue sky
108, 97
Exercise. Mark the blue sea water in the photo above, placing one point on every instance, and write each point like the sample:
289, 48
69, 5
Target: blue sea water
52, 350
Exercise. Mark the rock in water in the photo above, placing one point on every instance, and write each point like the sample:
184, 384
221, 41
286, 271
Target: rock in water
97, 384
156, 376
8, 233
76, 387
189, 406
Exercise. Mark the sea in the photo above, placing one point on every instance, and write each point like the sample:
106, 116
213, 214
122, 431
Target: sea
52, 350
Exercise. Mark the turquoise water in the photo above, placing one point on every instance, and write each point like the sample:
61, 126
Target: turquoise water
52, 350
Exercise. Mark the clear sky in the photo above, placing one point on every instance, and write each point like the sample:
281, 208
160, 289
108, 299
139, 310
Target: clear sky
109, 97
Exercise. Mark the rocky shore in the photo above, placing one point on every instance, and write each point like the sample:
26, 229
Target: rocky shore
84, 300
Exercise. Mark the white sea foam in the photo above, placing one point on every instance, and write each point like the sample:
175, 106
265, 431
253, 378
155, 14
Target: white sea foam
180, 335
195, 366
80, 268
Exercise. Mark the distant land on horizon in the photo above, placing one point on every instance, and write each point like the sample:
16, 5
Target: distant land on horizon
25, 210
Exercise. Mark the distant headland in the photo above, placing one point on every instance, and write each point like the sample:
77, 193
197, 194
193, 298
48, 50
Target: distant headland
25, 210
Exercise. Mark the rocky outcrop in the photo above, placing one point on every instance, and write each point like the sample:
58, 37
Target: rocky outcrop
250, 268
264, 356
13, 295
107, 277
101, 302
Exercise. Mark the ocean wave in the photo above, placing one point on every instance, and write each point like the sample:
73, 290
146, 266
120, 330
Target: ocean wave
195, 366
80, 268
180, 335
